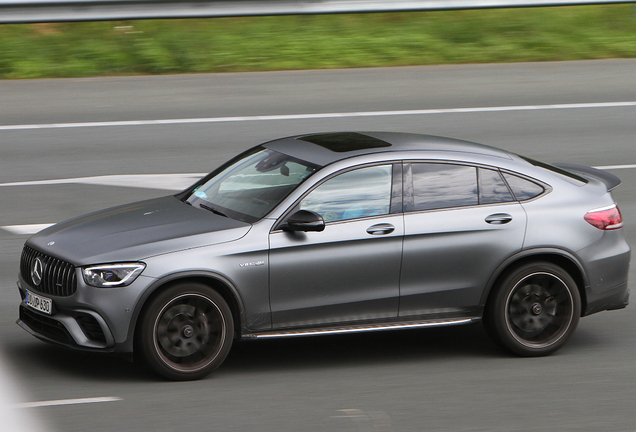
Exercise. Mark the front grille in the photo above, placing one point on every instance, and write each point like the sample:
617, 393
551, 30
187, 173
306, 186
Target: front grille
91, 327
58, 277
45, 326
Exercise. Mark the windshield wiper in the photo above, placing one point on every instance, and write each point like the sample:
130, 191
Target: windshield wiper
213, 210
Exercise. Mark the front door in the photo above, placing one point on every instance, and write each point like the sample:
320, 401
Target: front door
348, 272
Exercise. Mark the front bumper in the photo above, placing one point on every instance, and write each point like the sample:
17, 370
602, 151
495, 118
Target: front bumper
91, 319
67, 330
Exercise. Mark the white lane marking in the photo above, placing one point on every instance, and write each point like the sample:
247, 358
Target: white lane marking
150, 181
317, 116
613, 167
175, 182
67, 402
25, 229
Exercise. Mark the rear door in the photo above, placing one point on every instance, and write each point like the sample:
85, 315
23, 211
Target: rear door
460, 223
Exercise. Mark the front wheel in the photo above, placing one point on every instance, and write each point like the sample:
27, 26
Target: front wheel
534, 310
185, 332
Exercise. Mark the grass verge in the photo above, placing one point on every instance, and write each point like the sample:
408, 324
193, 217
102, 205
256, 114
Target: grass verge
316, 42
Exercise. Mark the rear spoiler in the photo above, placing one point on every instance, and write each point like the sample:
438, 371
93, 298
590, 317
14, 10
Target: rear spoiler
610, 180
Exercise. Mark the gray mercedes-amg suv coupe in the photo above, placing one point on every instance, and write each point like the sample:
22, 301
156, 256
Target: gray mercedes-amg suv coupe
334, 233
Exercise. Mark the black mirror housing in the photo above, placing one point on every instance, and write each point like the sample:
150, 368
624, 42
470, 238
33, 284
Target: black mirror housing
305, 220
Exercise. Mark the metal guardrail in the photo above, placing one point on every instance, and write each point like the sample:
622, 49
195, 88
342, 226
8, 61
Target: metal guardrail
31, 11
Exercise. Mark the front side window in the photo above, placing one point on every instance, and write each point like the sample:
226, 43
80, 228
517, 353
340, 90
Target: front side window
250, 187
438, 186
359, 193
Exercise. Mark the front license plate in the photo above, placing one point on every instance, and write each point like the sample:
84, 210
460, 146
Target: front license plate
39, 303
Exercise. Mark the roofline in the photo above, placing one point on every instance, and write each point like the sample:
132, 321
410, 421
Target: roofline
398, 141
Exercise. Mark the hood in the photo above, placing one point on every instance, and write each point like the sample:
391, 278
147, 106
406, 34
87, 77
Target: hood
136, 231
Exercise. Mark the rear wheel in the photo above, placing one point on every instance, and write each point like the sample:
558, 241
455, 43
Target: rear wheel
534, 310
185, 332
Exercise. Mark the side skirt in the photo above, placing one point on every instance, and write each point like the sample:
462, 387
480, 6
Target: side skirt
359, 328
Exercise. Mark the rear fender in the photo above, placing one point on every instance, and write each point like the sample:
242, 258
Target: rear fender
546, 254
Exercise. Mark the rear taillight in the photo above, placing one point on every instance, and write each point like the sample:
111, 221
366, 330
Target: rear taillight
607, 218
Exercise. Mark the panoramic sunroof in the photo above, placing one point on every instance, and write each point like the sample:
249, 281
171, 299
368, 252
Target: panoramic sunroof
345, 141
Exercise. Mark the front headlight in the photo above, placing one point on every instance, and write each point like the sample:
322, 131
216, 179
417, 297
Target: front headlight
112, 275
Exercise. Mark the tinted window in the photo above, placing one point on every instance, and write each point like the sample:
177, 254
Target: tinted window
492, 188
345, 141
443, 185
522, 188
354, 194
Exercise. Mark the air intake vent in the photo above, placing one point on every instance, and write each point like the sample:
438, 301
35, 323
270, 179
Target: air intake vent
56, 277
90, 327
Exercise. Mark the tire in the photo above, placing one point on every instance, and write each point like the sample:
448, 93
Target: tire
534, 310
185, 332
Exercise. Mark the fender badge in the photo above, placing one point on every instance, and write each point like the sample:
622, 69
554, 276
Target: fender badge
252, 264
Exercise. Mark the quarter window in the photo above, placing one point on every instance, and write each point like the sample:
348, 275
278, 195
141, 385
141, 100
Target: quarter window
522, 188
492, 188
443, 185
359, 193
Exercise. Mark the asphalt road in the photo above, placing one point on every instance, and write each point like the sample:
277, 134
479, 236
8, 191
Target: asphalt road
447, 379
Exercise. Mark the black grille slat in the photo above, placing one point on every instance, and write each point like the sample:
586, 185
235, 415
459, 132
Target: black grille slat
54, 264
65, 278
46, 282
56, 279
49, 276
58, 276
46, 275
53, 268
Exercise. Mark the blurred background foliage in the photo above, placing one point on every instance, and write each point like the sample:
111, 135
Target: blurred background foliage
316, 41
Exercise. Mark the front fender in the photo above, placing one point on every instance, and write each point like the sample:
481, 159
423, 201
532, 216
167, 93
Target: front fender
200, 276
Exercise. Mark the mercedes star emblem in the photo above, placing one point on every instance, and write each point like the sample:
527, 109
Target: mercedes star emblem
36, 271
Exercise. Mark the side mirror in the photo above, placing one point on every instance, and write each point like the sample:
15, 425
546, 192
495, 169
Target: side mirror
305, 220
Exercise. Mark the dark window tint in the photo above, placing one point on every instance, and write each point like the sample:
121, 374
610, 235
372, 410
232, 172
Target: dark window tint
442, 185
492, 188
345, 141
522, 188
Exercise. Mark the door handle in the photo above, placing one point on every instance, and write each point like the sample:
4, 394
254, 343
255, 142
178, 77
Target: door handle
498, 218
381, 229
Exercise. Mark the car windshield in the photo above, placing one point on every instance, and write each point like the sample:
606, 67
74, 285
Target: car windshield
250, 187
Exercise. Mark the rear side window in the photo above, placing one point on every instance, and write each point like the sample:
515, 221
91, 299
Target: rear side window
492, 188
522, 188
438, 186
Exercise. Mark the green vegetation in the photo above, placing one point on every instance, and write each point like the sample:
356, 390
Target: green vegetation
316, 42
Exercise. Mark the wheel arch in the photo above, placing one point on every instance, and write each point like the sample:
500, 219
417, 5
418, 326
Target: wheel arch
215, 281
564, 259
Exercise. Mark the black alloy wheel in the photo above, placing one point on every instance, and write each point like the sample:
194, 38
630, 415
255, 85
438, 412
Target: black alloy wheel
185, 332
534, 310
